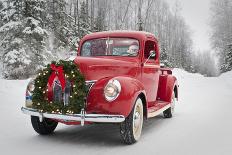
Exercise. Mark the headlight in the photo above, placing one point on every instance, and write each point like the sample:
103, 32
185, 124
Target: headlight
112, 90
29, 92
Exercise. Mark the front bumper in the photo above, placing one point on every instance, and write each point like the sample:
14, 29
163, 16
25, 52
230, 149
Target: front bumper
104, 118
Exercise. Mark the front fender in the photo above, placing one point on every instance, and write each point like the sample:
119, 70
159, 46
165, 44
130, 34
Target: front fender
131, 88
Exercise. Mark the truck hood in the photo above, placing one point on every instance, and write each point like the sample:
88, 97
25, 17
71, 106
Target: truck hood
95, 68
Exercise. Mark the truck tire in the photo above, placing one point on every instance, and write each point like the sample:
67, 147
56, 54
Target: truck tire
131, 128
46, 127
169, 112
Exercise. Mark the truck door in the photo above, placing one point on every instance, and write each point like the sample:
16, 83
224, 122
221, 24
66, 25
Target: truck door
150, 71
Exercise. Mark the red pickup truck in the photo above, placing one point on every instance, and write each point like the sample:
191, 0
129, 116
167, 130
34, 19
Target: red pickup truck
126, 84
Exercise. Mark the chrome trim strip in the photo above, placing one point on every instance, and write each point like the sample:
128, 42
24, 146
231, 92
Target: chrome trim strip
91, 81
76, 117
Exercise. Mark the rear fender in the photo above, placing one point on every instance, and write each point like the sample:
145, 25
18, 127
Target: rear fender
167, 84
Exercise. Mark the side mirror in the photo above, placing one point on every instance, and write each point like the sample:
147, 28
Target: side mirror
152, 55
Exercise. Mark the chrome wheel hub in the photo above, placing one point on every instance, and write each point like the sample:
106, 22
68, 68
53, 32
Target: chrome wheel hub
137, 119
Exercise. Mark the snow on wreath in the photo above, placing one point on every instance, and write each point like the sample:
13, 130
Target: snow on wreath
59, 88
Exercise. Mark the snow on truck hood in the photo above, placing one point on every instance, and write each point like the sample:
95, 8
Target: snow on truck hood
95, 68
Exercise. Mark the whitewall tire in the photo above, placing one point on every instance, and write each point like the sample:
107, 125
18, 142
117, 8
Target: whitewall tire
131, 128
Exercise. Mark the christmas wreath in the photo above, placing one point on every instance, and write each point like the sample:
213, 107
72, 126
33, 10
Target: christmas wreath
63, 72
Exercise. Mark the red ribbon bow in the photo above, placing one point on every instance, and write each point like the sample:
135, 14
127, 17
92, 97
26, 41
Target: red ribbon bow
59, 73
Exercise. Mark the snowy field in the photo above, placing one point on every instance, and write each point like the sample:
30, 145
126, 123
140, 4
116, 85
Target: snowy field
201, 125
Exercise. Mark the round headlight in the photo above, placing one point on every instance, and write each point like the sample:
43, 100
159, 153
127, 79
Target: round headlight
112, 90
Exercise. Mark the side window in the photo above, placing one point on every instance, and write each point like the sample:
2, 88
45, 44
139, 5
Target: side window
149, 46
86, 49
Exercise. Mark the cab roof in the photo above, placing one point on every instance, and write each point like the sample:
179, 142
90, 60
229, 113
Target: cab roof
139, 35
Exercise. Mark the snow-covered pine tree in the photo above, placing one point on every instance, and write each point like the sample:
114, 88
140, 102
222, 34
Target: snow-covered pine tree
227, 63
1, 23
34, 33
229, 56
1, 7
61, 26
23, 42
164, 56
221, 23
12, 40
100, 20
57, 21
84, 20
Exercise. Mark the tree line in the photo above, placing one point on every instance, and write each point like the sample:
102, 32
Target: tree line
221, 36
34, 32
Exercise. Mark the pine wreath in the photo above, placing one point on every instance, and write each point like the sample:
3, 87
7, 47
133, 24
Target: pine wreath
78, 89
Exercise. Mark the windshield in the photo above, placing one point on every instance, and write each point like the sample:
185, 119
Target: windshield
110, 47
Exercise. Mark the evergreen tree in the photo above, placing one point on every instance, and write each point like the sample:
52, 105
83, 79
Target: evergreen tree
221, 23
63, 26
1, 5
164, 56
23, 44
12, 41
227, 62
100, 20
1, 16
34, 33
84, 20
58, 22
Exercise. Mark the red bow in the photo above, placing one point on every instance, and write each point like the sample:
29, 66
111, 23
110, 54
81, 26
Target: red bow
59, 73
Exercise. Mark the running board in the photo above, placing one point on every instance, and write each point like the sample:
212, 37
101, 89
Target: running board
157, 112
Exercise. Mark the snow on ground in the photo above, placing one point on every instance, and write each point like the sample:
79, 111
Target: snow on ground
201, 125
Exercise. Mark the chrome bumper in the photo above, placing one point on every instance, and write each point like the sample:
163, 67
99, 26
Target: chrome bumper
76, 117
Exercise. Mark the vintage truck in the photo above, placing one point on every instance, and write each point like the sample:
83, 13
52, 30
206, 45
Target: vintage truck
126, 84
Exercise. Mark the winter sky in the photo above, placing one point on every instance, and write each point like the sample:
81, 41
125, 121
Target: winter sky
197, 16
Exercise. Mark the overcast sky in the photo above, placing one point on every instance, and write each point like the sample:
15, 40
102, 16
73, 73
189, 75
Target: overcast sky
196, 14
